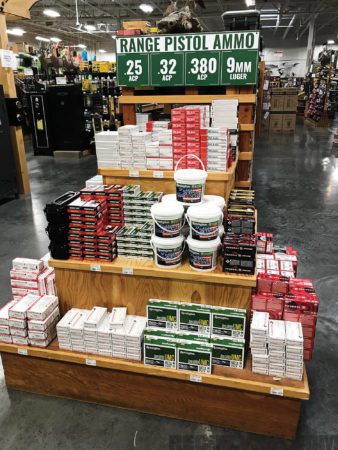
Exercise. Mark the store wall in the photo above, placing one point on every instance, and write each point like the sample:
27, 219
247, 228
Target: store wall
286, 62
109, 56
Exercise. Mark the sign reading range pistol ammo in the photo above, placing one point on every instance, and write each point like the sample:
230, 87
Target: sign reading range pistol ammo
202, 59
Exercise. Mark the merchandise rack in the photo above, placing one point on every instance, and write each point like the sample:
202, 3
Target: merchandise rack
217, 183
246, 95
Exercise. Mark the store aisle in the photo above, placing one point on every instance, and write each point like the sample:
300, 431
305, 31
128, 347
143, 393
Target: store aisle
296, 182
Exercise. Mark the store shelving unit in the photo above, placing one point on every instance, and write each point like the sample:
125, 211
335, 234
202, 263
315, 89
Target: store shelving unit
228, 397
218, 183
246, 96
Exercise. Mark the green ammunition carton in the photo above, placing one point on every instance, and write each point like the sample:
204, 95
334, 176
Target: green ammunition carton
162, 314
194, 356
228, 352
160, 352
228, 322
195, 318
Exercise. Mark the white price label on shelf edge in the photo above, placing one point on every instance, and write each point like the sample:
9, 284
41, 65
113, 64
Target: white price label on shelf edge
134, 173
196, 378
158, 174
95, 267
22, 351
127, 271
90, 362
277, 391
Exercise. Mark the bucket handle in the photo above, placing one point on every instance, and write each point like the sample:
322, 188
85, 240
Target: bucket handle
164, 229
155, 251
203, 234
189, 156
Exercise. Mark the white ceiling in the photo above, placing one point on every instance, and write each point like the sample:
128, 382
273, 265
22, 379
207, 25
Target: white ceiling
283, 21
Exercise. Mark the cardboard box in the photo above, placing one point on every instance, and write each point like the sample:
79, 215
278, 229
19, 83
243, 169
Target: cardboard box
228, 352
194, 356
160, 352
276, 123
289, 122
228, 322
277, 103
163, 314
291, 103
194, 318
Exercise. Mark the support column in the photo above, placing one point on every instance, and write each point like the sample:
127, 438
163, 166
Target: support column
8, 82
310, 43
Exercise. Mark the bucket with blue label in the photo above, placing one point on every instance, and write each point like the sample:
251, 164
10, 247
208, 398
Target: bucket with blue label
168, 219
203, 255
168, 252
204, 221
190, 183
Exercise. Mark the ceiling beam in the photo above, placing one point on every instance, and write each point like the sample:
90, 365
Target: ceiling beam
289, 26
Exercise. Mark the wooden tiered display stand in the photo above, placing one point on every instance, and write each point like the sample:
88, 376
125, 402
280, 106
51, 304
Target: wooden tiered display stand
232, 398
246, 96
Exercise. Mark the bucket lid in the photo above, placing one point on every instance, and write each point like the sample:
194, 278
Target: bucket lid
165, 242
190, 175
204, 211
167, 209
214, 199
204, 245
169, 198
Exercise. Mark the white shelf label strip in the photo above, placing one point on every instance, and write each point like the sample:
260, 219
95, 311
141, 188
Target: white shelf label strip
277, 391
22, 351
127, 271
90, 362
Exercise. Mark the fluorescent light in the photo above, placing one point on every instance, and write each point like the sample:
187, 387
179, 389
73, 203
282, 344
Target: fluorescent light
81, 46
16, 31
102, 51
279, 26
90, 27
250, 3
51, 13
43, 39
55, 39
146, 8
330, 41
269, 15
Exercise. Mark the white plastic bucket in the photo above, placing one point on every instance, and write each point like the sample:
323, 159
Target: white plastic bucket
190, 183
168, 219
168, 252
204, 221
203, 255
215, 200
169, 198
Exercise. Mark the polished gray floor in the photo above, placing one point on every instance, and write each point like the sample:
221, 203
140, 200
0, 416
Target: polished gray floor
296, 182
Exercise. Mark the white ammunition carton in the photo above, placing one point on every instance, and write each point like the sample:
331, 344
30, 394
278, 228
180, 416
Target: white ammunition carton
4, 318
18, 340
117, 317
32, 265
42, 325
260, 323
42, 308
4, 329
294, 334
19, 310
95, 317
17, 323
6, 338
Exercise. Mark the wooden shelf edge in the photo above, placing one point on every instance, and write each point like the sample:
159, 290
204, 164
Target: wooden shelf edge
147, 268
155, 174
245, 156
247, 127
243, 184
184, 99
262, 387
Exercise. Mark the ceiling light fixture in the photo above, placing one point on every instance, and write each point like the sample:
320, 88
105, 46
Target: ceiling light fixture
330, 41
55, 39
90, 27
43, 39
81, 46
146, 8
51, 13
16, 31
102, 51
250, 3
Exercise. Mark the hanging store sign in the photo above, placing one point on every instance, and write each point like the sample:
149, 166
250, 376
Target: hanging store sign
203, 59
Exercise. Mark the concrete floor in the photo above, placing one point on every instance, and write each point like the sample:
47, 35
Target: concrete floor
296, 182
